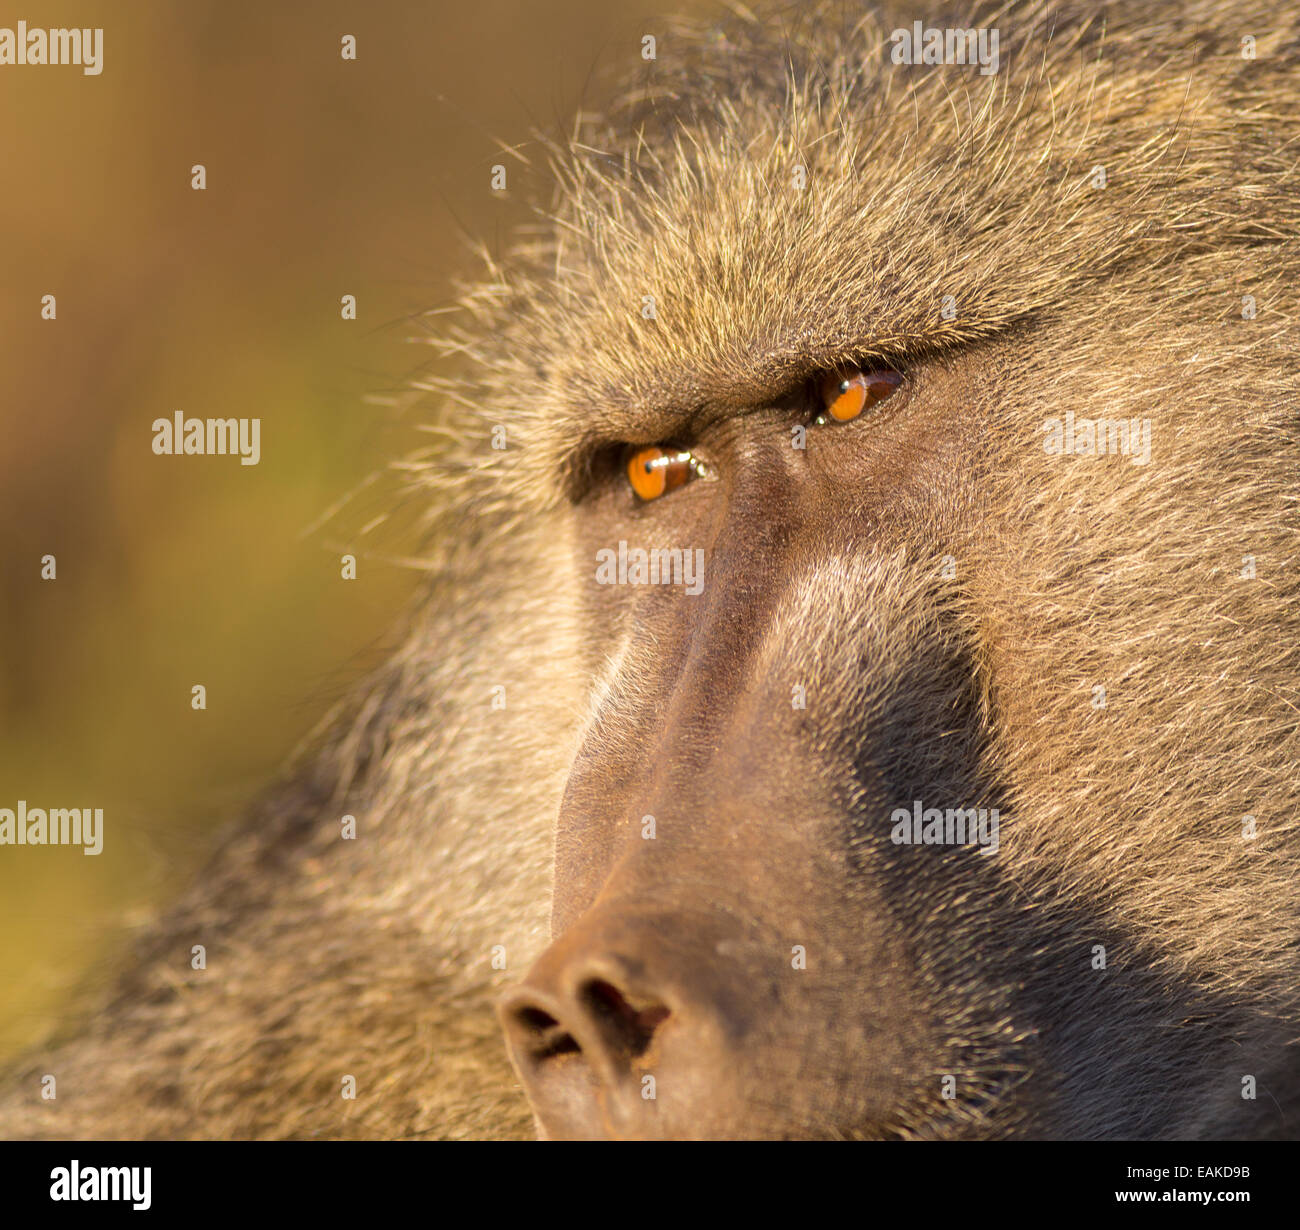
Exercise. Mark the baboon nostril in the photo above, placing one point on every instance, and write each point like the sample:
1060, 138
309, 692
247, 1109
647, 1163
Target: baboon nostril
612, 1024
545, 1036
632, 1025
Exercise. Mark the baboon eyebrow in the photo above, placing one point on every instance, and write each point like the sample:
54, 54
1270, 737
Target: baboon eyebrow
679, 403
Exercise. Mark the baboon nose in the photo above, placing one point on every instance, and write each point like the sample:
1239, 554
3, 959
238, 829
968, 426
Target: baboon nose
627, 1025
614, 1030
584, 1044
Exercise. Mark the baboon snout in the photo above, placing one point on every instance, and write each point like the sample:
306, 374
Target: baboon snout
622, 1026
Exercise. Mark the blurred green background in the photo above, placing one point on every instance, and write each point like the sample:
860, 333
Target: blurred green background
324, 177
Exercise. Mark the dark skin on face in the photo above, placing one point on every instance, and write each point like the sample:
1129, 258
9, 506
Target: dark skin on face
674, 1001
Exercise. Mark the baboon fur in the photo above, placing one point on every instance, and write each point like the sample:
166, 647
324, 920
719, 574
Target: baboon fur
1122, 826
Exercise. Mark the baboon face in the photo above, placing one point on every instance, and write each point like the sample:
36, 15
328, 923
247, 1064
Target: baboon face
725, 887
915, 813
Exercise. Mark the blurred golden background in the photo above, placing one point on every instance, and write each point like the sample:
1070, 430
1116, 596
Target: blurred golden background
325, 177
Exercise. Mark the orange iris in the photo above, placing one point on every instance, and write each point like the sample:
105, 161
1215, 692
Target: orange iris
654, 470
848, 391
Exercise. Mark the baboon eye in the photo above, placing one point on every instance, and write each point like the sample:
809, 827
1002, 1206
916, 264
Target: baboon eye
847, 391
653, 471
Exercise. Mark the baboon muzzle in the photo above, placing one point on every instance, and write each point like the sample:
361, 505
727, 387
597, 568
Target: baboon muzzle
627, 1027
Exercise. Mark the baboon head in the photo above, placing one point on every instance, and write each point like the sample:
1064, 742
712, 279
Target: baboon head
921, 502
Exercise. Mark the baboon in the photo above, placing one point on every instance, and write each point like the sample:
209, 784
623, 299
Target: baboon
959, 800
